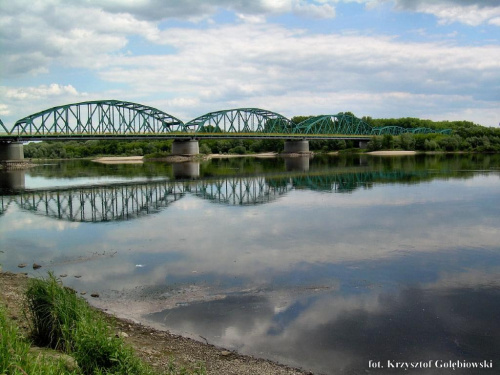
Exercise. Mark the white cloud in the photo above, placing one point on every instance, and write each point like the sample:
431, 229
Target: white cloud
23, 101
241, 65
40, 92
315, 11
39, 36
248, 63
4, 110
469, 15
469, 12
196, 10
84, 33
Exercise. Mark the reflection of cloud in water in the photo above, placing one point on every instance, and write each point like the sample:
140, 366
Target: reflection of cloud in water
331, 334
277, 239
22, 222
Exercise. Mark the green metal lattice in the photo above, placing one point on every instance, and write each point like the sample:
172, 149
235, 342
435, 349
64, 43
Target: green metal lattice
240, 120
98, 117
112, 118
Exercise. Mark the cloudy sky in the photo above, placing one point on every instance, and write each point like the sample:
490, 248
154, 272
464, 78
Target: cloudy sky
437, 59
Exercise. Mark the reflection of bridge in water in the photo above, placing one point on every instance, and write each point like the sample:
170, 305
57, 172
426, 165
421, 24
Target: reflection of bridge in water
127, 201
119, 201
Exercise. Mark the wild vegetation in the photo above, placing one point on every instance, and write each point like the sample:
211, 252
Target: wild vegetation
62, 321
16, 357
466, 136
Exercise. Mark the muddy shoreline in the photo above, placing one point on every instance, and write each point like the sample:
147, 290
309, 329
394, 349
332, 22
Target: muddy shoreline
157, 347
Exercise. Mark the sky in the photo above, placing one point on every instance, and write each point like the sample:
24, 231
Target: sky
432, 59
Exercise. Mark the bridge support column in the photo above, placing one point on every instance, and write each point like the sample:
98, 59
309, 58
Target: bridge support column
187, 169
296, 147
185, 147
11, 151
363, 144
298, 164
12, 180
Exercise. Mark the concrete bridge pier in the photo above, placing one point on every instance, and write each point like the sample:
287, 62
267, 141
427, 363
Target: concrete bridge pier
187, 169
296, 147
12, 179
297, 164
185, 147
363, 144
11, 151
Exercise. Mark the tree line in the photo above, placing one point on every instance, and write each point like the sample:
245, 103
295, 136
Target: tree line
466, 136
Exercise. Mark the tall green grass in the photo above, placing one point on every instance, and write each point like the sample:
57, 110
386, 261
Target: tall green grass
63, 321
16, 358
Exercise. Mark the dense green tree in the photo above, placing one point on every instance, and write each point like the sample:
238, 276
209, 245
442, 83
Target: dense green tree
388, 142
299, 119
430, 145
466, 136
376, 143
204, 149
407, 141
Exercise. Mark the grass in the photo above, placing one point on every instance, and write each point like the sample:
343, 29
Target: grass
16, 357
65, 322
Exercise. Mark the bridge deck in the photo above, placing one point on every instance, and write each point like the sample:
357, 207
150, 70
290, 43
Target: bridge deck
180, 136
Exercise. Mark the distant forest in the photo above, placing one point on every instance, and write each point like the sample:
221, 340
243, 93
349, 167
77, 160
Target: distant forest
466, 136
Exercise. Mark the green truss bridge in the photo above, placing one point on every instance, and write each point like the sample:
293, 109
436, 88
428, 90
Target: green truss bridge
114, 119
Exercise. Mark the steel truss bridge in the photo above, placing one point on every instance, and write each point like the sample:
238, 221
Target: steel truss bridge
118, 202
114, 119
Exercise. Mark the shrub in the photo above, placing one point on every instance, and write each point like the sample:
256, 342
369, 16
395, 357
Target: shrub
407, 141
205, 149
430, 145
241, 150
388, 142
375, 143
62, 320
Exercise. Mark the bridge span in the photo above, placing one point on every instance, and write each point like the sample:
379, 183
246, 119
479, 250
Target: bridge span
119, 120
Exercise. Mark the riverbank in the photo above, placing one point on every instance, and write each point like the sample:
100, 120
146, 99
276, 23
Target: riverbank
391, 153
120, 160
178, 158
228, 156
158, 348
182, 158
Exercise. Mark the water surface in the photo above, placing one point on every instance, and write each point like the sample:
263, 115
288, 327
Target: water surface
324, 264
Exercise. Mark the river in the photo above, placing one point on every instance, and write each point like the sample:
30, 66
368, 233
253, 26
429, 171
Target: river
335, 264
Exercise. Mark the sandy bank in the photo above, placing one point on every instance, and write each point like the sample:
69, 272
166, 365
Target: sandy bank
391, 153
227, 156
120, 160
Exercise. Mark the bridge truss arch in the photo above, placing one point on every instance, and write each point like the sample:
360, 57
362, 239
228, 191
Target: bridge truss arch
101, 117
3, 128
398, 130
241, 120
340, 123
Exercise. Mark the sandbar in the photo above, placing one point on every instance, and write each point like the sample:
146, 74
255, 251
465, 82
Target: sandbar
120, 160
391, 153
